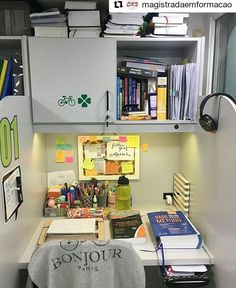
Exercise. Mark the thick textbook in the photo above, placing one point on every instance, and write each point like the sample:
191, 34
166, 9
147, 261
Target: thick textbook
129, 228
174, 230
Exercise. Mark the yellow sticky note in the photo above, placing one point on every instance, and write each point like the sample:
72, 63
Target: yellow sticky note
127, 167
144, 147
91, 173
60, 156
132, 141
60, 140
88, 164
93, 138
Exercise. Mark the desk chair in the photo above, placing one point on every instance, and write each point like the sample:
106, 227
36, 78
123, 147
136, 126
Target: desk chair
86, 264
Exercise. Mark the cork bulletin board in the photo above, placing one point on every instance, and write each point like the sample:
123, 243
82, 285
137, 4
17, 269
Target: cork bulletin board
106, 157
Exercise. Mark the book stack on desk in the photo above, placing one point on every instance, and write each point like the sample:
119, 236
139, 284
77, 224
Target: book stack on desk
79, 229
83, 19
130, 229
174, 230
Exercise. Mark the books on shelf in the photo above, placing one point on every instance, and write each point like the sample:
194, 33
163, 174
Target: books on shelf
137, 72
174, 230
4, 63
84, 18
129, 228
162, 96
50, 31
80, 5
84, 32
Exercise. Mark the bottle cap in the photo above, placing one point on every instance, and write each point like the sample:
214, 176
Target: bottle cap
123, 180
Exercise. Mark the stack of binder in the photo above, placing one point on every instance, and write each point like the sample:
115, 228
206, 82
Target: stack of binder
49, 23
83, 19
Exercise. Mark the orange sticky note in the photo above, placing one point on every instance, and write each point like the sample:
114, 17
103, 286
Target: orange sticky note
112, 168
93, 138
83, 139
144, 147
60, 156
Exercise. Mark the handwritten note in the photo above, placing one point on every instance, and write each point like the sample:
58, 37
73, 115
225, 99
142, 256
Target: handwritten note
119, 151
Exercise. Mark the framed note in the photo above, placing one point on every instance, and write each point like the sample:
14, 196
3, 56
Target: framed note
106, 157
12, 192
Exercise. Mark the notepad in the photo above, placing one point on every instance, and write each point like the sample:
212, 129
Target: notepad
72, 226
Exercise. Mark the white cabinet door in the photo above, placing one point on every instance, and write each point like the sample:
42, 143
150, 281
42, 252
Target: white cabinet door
72, 80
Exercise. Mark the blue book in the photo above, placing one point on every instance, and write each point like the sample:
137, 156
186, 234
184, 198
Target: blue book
7, 86
174, 230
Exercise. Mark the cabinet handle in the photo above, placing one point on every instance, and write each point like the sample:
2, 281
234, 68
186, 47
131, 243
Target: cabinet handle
107, 100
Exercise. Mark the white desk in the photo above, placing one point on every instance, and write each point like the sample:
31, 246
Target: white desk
172, 256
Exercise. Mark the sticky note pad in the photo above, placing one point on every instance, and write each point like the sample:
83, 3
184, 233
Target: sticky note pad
144, 147
132, 141
60, 156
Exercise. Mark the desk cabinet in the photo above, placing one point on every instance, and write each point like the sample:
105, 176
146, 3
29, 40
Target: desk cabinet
72, 80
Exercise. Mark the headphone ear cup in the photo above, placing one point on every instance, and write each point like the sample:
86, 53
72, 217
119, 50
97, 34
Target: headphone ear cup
208, 123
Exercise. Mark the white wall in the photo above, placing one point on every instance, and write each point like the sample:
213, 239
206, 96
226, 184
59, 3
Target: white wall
15, 234
209, 161
157, 165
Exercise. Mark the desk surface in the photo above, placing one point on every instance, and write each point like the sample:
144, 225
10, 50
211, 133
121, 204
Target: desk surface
172, 256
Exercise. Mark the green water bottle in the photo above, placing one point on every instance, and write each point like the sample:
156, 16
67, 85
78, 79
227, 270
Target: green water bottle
123, 194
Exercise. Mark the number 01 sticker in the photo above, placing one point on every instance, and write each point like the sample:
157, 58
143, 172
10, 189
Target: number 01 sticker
9, 140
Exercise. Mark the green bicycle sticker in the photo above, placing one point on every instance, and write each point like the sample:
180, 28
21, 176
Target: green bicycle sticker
66, 100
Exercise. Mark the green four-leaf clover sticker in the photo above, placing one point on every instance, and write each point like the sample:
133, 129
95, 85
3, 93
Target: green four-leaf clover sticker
84, 100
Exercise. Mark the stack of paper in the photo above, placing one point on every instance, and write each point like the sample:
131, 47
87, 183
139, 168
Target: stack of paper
83, 19
170, 24
72, 229
49, 23
123, 24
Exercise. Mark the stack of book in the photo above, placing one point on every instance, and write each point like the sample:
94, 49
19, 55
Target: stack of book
170, 24
83, 19
138, 83
84, 229
130, 229
174, 230
123, 24
49, 23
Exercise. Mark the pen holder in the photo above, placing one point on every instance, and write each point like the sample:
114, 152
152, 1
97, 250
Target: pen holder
87, 201
102, 200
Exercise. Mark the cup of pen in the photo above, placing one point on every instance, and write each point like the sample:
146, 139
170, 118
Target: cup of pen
87, 200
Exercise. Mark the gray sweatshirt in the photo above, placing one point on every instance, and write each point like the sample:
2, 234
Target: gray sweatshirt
86, 264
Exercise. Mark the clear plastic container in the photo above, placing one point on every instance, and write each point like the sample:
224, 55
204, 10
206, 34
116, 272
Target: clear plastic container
123, 194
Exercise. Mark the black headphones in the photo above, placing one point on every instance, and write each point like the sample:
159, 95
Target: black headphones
205, 120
